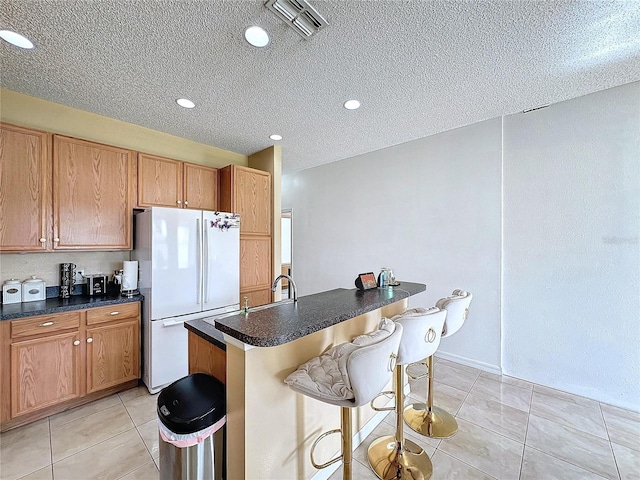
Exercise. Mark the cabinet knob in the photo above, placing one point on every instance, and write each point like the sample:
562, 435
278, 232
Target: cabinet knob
76, 342
186, 202
89, 340
43, 239
46, 324
178, 202
114, 313
56, 239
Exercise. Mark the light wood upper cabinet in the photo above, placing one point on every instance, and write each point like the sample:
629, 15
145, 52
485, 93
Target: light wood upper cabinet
92, 190
25, 195
200, 187
171, 183
159, 181
247, 191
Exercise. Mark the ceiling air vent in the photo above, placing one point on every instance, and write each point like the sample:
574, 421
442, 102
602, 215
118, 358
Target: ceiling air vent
299, 15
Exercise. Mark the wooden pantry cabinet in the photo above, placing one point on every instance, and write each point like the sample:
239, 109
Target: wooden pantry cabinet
50, 363
171, 183
61, 193
247, 191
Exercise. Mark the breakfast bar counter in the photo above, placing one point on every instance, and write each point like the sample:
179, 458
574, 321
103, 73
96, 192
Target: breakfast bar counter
270, 428
286, 322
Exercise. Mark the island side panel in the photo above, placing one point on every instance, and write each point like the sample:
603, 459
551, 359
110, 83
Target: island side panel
270, 427
205, 357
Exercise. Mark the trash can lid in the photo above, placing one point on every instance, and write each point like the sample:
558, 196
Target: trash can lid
192, 403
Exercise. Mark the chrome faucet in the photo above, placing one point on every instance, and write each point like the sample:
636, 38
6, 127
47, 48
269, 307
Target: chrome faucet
292, 285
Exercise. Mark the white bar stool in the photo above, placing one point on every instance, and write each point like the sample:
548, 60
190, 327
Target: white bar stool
396, 457
349, 375
427, 419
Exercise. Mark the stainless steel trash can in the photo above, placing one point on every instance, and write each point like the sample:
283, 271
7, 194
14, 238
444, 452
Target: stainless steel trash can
192, 417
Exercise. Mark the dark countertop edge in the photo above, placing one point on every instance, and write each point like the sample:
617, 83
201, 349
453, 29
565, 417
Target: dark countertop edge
207, 332
58, 305
275, 340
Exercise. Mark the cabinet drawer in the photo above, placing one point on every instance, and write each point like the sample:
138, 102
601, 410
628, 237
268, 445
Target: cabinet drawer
112, 312
44, 324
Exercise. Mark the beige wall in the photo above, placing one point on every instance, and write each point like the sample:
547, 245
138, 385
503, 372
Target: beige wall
32, 112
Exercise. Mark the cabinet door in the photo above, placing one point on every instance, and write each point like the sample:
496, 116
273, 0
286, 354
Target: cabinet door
44, 372
255, 263
200, 187
91, 195
252, 191
113, 354
159, 181
25, 177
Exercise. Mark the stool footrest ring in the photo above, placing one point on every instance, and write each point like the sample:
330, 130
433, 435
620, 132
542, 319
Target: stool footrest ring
414, 365
391, 394
313, 447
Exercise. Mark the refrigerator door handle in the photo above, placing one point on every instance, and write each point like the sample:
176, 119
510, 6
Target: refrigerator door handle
205, 262
199, 262
171, 323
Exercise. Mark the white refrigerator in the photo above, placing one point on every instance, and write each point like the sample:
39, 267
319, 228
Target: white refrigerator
189, 264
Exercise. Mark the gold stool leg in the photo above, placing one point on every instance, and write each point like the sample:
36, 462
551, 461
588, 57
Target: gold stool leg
428, 420
347, 442
397, 458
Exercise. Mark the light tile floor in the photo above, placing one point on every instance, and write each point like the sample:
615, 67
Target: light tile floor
508, 429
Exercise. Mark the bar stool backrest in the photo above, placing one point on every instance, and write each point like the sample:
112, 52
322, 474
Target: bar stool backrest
370, 367
457, 307
422, 329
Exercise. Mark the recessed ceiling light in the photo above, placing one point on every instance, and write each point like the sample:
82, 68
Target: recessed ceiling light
275, 137
256, 36
351, 104
183, 102
16, 39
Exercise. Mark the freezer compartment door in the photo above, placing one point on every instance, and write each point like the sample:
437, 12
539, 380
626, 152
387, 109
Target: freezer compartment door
169, 353
176, 270
221, 284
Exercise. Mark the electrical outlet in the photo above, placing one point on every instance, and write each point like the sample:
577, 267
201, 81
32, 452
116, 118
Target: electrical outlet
80, 276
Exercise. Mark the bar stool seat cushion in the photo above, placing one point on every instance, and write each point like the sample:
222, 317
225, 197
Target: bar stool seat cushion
326, 377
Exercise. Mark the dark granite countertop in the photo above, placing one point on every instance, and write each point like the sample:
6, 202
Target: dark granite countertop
287, 322
208, 332
57, 305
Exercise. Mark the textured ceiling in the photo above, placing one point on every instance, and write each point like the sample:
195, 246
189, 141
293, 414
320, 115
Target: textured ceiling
418, 67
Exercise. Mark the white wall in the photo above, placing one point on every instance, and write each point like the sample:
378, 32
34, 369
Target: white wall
571, 250
430, 209
567, 311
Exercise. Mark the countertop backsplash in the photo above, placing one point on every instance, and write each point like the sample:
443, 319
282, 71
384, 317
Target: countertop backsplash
47, 265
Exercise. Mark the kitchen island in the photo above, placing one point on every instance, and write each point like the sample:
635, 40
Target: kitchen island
270, 428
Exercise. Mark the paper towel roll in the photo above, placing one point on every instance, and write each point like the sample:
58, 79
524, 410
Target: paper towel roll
130, 275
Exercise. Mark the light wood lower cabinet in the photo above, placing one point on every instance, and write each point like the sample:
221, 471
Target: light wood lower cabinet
112, 354
50, 363
44, 372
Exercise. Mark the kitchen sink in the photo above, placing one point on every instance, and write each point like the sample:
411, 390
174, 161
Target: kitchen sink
212, 320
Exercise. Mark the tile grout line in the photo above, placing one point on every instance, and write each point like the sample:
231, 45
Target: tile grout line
606, 428
50, 447
526, 432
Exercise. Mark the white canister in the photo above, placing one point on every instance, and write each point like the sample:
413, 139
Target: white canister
33, 289
11, 292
